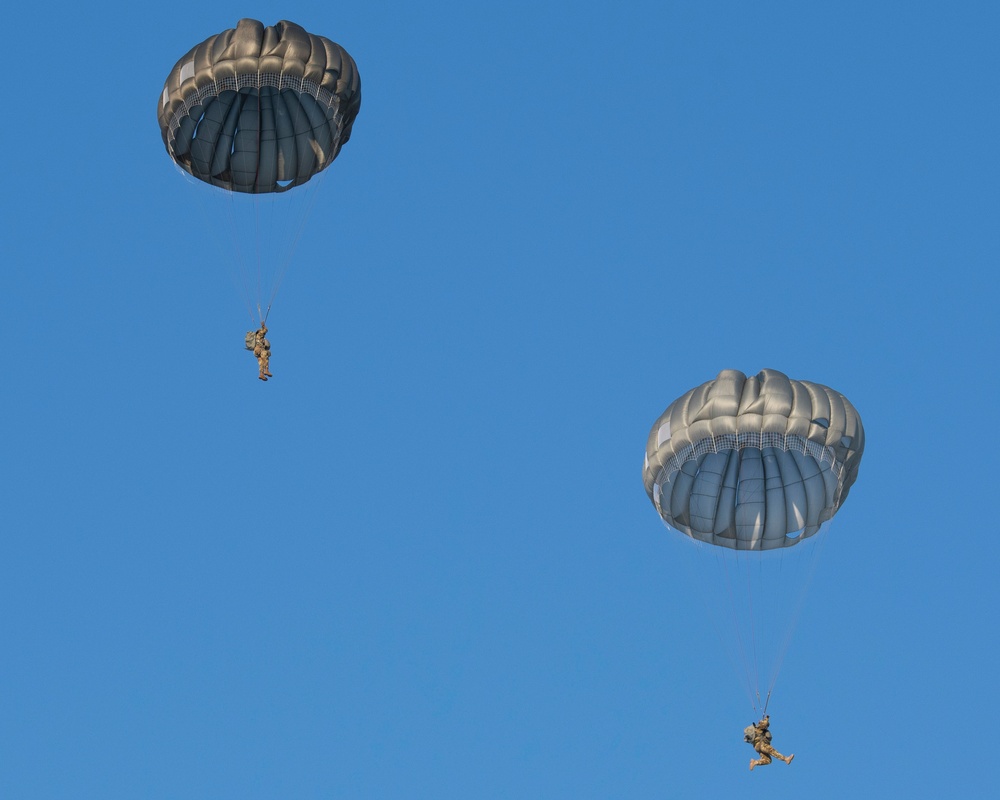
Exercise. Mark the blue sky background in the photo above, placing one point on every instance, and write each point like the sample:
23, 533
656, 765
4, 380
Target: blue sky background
420, 562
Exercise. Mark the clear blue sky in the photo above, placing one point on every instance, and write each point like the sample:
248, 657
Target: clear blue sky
420, 562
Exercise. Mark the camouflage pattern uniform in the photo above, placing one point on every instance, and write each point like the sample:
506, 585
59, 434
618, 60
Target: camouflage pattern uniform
262, 350
759, 735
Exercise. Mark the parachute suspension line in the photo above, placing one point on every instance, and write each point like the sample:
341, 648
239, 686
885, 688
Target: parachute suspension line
748, 628
310, 197
281, 203
210, 199
307, 111
745, 564
697, 556
259, 198
752, 613
743, 666
754, 495
776, 624
256, 195
741, 628
776, 628
767, 616
817, 544
258, 243
236, 272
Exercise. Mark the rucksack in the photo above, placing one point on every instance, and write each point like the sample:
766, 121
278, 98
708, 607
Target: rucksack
251, 340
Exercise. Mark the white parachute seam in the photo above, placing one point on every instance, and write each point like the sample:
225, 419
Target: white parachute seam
757, 440
252, 80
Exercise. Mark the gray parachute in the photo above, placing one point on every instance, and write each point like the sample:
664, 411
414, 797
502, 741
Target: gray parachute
259, 109
753, 463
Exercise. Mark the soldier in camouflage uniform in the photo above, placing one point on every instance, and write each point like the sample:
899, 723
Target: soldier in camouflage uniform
262, 350
759, 735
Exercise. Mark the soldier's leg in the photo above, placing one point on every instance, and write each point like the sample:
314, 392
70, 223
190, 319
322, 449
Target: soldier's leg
763, 761
772, 752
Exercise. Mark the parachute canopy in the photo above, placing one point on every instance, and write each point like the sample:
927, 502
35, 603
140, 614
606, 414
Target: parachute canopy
259, 109
753, 463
